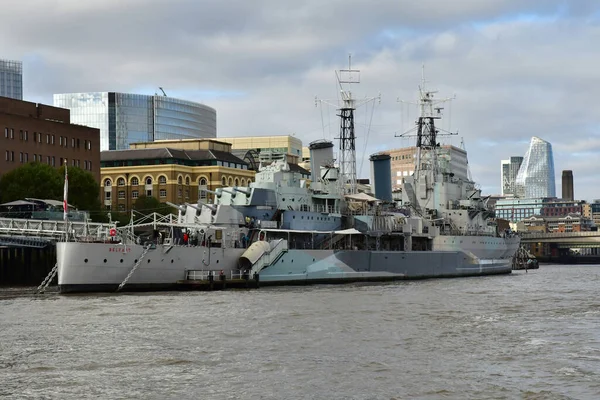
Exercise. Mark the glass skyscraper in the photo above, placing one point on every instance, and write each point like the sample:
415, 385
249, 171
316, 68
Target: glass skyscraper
11, 79
509, 171
125, 118
536, 176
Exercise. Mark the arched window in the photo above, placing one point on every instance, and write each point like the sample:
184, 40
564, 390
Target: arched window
179, 181
135, 181
187, 180
107, 182
243, 182
148, 180
162, 180
230, 181
121, 182
236, 182
224, 181
202, 182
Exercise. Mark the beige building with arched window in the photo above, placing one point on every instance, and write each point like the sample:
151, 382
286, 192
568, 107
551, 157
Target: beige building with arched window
170, 170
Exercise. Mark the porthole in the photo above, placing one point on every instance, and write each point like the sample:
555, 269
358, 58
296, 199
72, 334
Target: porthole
217, 261
148, 261
135, 261
171, 261
105, 260
86, 260
121, 261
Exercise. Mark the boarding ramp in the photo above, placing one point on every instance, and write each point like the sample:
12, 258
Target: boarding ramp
31, 232
262, 254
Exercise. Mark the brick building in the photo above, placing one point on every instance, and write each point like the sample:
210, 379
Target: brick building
31, 132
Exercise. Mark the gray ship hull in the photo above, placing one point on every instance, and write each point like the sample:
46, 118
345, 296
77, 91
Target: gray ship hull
86, 267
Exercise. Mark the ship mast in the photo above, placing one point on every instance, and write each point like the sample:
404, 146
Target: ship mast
427, 133
347, 138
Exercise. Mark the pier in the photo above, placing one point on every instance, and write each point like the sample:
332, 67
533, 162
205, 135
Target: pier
216, 280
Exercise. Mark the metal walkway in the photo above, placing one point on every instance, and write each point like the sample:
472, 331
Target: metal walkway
39, 233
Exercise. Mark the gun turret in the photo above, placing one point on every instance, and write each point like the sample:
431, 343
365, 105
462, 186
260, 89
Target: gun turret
246, 192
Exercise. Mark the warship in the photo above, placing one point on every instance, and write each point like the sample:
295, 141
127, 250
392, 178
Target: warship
282, 229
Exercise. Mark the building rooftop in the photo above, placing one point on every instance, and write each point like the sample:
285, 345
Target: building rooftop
168, 153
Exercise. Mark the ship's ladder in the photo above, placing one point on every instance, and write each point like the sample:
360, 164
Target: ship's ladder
40, 289
137, 264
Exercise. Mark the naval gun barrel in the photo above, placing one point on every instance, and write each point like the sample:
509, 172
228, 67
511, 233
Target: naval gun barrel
246, 192
213, 208
179, 207
217, 193
231, 192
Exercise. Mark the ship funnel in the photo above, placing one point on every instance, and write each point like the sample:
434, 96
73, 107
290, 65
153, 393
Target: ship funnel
381, 176
321, 155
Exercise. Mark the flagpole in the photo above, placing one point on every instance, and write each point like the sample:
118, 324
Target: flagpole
65, 202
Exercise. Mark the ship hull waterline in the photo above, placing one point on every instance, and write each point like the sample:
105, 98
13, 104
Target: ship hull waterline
85, 267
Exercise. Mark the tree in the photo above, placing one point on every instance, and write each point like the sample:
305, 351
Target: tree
34, 180
147, 205
84, 192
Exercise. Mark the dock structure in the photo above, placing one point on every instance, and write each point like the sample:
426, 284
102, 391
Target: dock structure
217, 280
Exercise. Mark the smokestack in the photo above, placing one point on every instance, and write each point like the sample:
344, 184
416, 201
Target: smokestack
381, 169
567, 185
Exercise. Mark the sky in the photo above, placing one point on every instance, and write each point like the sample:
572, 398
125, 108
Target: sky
517, 68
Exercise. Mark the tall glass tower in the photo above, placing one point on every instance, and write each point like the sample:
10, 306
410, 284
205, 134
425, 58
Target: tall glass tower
11, 79
125, 118
536, 175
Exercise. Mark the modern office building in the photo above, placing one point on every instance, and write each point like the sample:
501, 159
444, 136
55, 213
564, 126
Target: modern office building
567, 185
170, 170
508, 172
403, 162
125, 118
517, 209
536, 175
40, 133
11, 79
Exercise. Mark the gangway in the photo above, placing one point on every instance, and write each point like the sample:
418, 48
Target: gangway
15, 230
269, 257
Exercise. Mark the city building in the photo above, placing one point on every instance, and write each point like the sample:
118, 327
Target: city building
592, 211
170, 170
561, 208
508, 172
403, 162
11, 79
562, 224
517, 209
536, 177
40, 133
567, 185
125, 118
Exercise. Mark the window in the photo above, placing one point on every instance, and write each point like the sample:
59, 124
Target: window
237, 182
187, 180
148, 180
120, 182
179, 193
162, 192
53, 161
77, 143
121, 194
21, 157
187, 193
6, 133
52, 139
107, 182
89, 145
230, 181
7, 155
90, 165
73, 142
107, 195
224, 181
135, 181
25, 136
21, 134
12, 133
121, 207
60, 141
179, 181
48, 160
162, 180
135, 194
26, 157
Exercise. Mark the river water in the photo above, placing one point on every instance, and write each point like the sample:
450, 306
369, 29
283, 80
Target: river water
532, 335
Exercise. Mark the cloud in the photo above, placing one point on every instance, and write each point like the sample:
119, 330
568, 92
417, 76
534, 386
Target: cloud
518, 68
